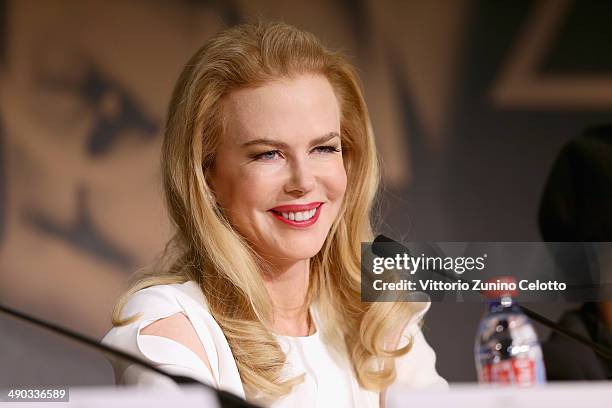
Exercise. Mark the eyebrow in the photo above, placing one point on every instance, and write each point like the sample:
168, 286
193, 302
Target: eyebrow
282, 145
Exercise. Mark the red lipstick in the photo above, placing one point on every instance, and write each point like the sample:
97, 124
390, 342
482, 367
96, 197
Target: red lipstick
296, 207
277, 212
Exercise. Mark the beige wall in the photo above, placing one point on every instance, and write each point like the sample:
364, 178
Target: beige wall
82, 101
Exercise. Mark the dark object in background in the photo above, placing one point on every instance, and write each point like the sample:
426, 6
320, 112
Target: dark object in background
577, 206
567, 360
577, 200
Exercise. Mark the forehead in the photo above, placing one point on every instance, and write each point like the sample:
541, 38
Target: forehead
288, 109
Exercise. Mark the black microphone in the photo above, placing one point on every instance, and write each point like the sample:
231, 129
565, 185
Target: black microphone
226, 399
387, 247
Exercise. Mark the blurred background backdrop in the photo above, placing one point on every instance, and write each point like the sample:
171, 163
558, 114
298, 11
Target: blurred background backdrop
471, 101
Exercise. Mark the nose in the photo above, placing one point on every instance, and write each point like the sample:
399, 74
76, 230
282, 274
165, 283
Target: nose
302, 179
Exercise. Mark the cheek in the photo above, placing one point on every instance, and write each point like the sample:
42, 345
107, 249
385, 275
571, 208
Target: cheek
243, 192
335, 182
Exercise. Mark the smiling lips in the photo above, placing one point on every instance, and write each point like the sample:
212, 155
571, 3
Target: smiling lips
298, 215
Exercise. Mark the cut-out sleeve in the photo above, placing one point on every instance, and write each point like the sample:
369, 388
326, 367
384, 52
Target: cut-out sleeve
151, 304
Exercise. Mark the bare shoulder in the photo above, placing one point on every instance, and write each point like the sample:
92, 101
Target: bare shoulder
178, 327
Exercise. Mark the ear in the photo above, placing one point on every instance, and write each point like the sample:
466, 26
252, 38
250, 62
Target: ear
209, 184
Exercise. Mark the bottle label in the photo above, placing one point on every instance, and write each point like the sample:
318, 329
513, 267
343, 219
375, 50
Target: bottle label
519, 371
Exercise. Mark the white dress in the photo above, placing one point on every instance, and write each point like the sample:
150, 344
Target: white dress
329, 380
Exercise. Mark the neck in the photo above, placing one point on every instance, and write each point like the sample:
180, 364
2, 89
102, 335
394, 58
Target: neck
287, 286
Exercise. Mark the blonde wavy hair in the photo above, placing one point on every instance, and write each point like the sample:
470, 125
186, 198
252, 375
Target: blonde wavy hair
208, 250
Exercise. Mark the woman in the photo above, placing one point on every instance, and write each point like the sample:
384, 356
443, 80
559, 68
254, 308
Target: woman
270, 172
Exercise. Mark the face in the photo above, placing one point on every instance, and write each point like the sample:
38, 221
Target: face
278, 173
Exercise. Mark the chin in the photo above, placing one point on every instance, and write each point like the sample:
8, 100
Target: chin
297, 252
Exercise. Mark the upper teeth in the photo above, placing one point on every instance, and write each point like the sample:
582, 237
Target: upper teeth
299, 216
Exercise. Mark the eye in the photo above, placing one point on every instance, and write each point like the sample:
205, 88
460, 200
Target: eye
266, 156
327, 149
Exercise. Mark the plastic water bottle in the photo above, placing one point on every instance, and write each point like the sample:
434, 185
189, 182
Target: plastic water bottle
507, 350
